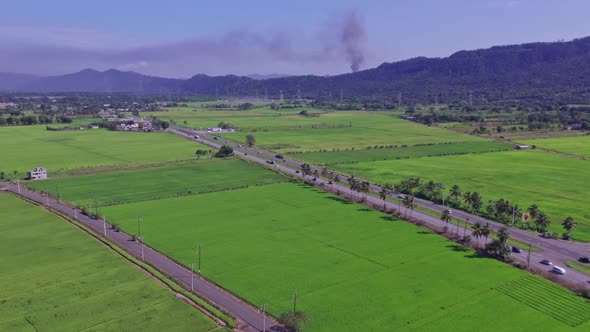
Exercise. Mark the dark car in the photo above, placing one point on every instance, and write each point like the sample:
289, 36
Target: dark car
516, 250
278, 156
271, 162
584, 259
215, 138
546, 262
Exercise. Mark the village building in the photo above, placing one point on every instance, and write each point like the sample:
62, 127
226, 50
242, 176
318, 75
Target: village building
39, 173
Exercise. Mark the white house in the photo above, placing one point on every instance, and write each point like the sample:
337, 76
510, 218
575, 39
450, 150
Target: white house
39, 173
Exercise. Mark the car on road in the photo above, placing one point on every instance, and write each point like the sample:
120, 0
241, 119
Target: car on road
215, 138
584, 259
296, 172
516, 249
558, 270
196, 136
546, 262
278, 156
259, 152
270, 162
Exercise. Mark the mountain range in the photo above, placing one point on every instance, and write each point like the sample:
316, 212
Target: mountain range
533, 70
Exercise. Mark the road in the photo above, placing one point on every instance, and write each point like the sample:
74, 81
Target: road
180, 274
555, 250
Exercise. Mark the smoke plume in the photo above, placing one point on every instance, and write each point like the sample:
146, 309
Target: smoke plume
352, 38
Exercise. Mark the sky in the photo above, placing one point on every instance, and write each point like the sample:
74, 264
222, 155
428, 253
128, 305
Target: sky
181, 38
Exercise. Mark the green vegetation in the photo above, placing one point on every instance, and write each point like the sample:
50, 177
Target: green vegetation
346, 262
361, 155
577, 145
584, 268
523, 177
399, 132
67, 281
24, 148
158, 182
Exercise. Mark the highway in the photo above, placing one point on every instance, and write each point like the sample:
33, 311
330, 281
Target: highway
555, 250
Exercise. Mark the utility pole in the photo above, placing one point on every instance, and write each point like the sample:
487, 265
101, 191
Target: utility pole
465, 229
281, 95
138, 228
18, 185
265, 94
140, 242
199, 270
104, 225
294, 301
529, 259
399, 99
513, 214
470, 98
264, 318
298, 94
75, 212
192, 276
46, 197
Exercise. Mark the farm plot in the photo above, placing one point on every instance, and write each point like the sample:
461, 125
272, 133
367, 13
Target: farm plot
554, 183
575, 145
25, 148
361, 155
393, 132
158, 182
56, 278
353, 269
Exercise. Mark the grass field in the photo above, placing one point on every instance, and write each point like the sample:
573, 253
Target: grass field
339, 157
393, 132
158, 182
576, 145
56, 278
354, 269
526, 177
27, 147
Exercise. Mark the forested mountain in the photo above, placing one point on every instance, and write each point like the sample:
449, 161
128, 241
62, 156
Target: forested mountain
549, 71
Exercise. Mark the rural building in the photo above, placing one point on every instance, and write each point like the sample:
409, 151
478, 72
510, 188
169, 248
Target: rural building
523, 147
39, 173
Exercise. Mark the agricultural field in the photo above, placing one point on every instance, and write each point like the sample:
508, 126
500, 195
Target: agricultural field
393, 132
551, 181
27, 147
157, 182
56, 278
353, 269
576, 145
362, 155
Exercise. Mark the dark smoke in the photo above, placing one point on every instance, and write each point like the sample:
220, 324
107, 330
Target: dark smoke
352, 38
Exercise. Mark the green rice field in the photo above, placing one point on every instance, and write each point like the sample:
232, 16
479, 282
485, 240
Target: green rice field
157, 182
575, 145
553, 182
353, 269
361, 155
27, 147
56, 278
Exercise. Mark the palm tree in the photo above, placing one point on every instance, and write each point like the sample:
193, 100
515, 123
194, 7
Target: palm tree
455, 192
534, 211
386, 190
365, 187
408, 201
542, 221
569, 225
446, 216
475, 201
476, 233
503, 235
485, 231
467, 198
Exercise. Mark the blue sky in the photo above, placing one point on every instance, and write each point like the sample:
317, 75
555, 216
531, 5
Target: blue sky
179, 38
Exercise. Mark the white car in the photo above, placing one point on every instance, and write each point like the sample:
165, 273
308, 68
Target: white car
558, 270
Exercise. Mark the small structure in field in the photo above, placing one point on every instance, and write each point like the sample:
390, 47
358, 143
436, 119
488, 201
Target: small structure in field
39, 173
523, 147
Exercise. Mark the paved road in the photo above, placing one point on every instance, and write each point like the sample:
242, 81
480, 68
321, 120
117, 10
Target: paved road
178, 273
555, 250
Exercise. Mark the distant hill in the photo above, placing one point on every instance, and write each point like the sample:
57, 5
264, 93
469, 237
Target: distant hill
536, 70
10, 81
266, 77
